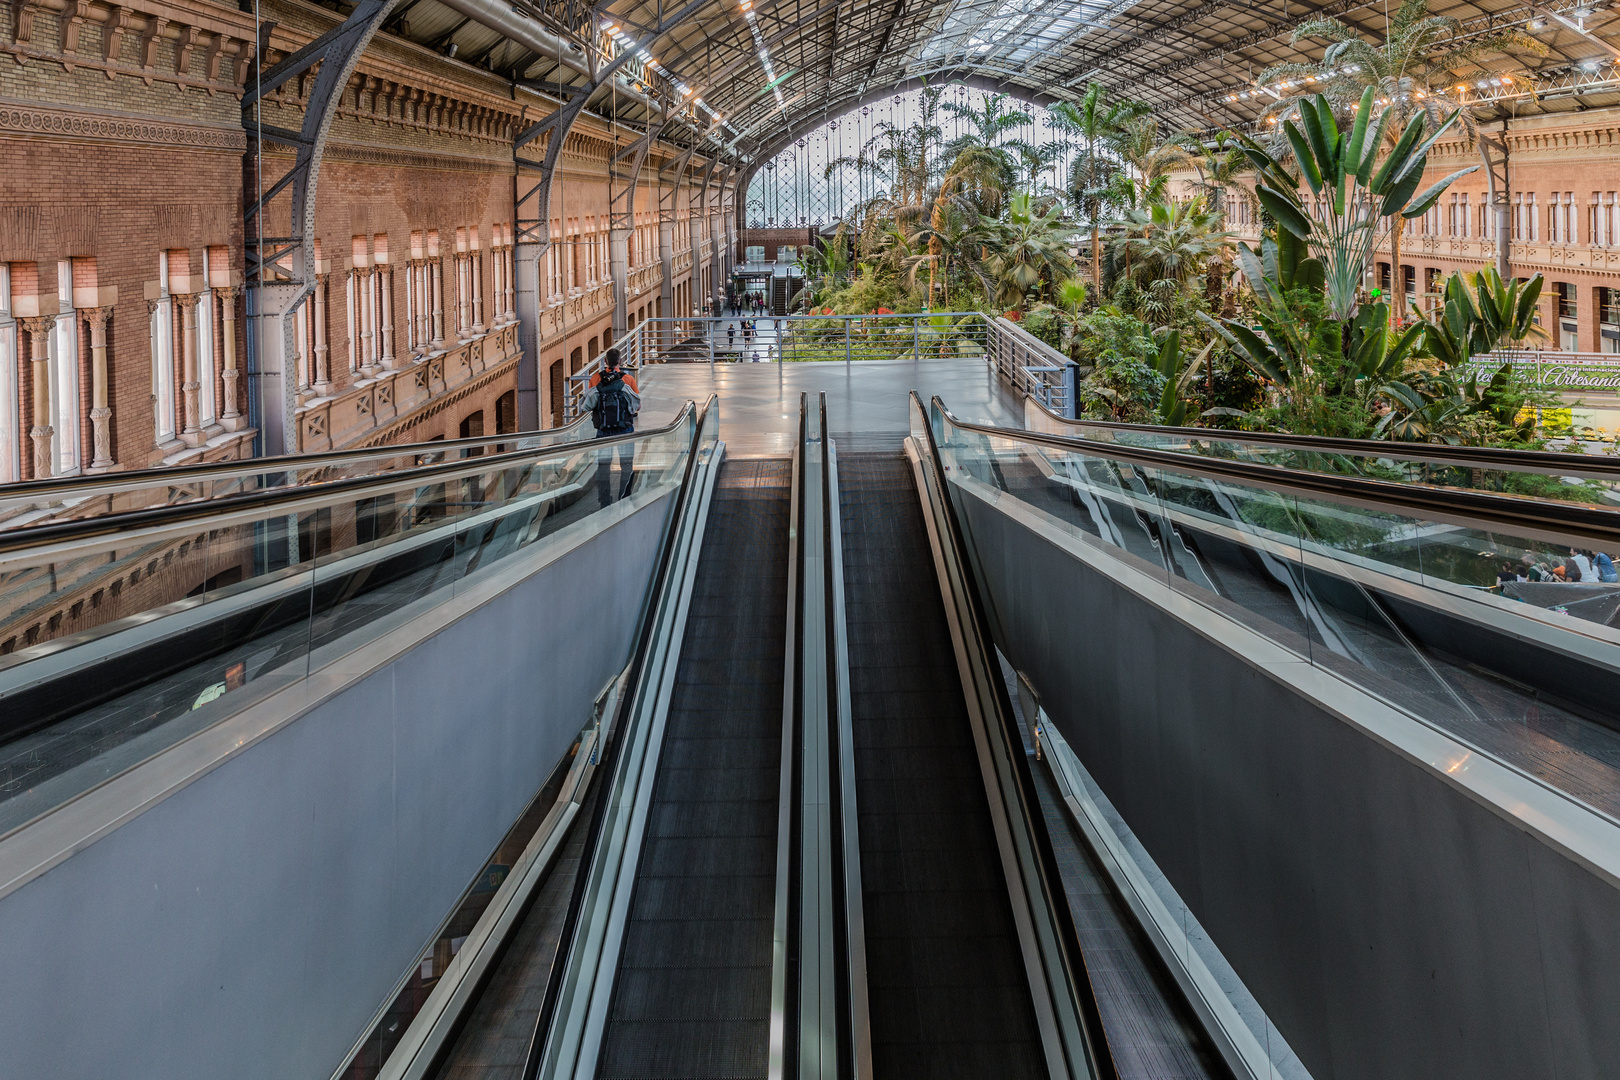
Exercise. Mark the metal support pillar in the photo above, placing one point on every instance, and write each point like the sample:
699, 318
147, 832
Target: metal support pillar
1493, 149
281, 269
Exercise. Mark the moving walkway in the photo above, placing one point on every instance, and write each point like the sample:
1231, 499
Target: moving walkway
855, 790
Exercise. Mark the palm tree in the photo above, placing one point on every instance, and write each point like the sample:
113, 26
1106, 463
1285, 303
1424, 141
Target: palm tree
950, 239
1026, 250
1094, 120
984, 162
1220, 161
1170, 240
1142, 146
908, 158
1412, 71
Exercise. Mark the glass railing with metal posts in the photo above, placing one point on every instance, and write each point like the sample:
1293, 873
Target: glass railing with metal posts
57, 499
812, 338
1420, 594
124, 633
1593, 479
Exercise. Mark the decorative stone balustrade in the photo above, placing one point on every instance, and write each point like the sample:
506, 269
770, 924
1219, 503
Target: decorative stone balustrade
370, 409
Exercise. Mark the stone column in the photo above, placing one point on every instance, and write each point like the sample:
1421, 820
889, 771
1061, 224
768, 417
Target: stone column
302, 359
385, 283
39, 331
367, 318
475, 270
423, 275
323, 376
100, 414
229, 416
462, 297
436, 341
191, 433
496, 260
410, 308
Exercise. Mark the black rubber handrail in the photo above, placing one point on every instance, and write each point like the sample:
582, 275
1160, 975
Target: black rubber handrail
1097, 1050
15, 540
1490, 511
608, 761
1547, 462
94, 485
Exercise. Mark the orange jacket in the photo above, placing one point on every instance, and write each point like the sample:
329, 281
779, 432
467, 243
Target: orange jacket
629, 380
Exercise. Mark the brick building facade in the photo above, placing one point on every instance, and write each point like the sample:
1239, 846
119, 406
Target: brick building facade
126, 161
1563, 173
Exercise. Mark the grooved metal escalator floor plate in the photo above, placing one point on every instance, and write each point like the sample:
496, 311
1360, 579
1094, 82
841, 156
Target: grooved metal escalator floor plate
692, 997
949, 995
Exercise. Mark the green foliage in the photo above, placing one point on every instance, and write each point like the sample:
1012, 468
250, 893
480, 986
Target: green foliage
1170, 240
1178, 375
1119, 363
1495, 314
1030, 250
1343, 173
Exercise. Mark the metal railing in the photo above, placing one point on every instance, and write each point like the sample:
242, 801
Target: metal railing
1028, 364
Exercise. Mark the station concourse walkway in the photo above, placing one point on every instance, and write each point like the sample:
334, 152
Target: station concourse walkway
759, 403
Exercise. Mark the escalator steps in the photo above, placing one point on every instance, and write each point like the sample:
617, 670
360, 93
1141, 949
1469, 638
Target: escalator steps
949, 995
693, 993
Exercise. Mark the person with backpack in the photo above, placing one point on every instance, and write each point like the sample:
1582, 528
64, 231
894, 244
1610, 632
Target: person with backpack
613, 402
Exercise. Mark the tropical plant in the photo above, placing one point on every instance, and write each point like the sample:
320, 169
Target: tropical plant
826, 266
983, 161
1443, 405
1494, 314
1094, 191
1063, 315
1219, 162
1295, 342
1178, 376
1170, 240
1348, 198
1028, 248
1410, 70
1152, 158
951, 238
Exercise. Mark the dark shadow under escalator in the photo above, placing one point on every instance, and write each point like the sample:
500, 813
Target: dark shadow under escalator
494, 1041
693, 992
948, 992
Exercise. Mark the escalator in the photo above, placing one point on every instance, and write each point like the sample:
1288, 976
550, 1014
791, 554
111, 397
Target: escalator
949, 995
818, 849
801, 836
693, 993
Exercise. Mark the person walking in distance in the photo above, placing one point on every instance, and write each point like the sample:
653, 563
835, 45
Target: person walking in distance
613, 401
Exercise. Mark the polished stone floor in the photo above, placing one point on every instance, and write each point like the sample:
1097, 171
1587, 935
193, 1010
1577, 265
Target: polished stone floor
759, 403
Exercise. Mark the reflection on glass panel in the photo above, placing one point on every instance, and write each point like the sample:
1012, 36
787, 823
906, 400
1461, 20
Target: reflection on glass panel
1436, 618
115, 646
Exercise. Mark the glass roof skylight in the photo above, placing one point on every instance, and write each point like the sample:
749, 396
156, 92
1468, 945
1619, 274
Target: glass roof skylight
1013, 31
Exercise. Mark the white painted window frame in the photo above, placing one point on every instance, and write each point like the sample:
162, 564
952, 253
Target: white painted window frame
164, 427
10, 442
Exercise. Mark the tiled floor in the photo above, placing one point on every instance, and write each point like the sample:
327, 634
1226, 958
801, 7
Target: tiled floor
759, 403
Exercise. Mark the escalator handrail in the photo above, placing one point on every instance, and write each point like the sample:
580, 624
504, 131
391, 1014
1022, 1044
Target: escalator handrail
1474, 457
1099, 1055
614, 737
128, 522
1473, 509
99, 484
